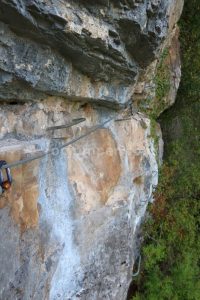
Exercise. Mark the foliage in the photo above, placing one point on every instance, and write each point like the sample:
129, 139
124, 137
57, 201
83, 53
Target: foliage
162, 82
154, 135
190, 42
171, 249
170, 252
153, 107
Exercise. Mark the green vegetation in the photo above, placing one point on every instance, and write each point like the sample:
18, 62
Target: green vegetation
162, 82
154, 107
170, 253
155, 136
171, 250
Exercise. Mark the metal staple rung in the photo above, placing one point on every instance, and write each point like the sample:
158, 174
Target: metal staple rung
123, 119
74, 122
139, 265
26, 160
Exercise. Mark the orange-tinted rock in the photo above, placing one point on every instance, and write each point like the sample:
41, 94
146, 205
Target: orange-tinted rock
23, 195
94, 169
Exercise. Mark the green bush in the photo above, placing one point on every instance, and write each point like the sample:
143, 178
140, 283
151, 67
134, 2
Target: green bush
170, 267
153, 107
170, 254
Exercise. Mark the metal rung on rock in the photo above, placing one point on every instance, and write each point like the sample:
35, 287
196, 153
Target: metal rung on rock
72, 123
29, 159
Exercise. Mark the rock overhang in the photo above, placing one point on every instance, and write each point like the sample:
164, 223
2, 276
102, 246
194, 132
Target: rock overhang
102, 47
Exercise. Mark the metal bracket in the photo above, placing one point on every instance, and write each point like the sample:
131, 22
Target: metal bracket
70, 124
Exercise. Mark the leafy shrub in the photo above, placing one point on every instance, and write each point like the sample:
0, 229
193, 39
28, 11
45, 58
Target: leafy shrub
171, 251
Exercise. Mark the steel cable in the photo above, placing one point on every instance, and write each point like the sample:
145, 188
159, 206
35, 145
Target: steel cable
29, 159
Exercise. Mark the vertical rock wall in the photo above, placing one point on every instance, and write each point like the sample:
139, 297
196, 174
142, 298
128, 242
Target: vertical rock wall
70, 221
75, 212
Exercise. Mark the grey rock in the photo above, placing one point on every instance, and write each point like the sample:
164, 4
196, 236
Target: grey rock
85, 240
46, 45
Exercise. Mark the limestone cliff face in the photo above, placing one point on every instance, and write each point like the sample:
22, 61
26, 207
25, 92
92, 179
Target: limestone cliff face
69, 223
